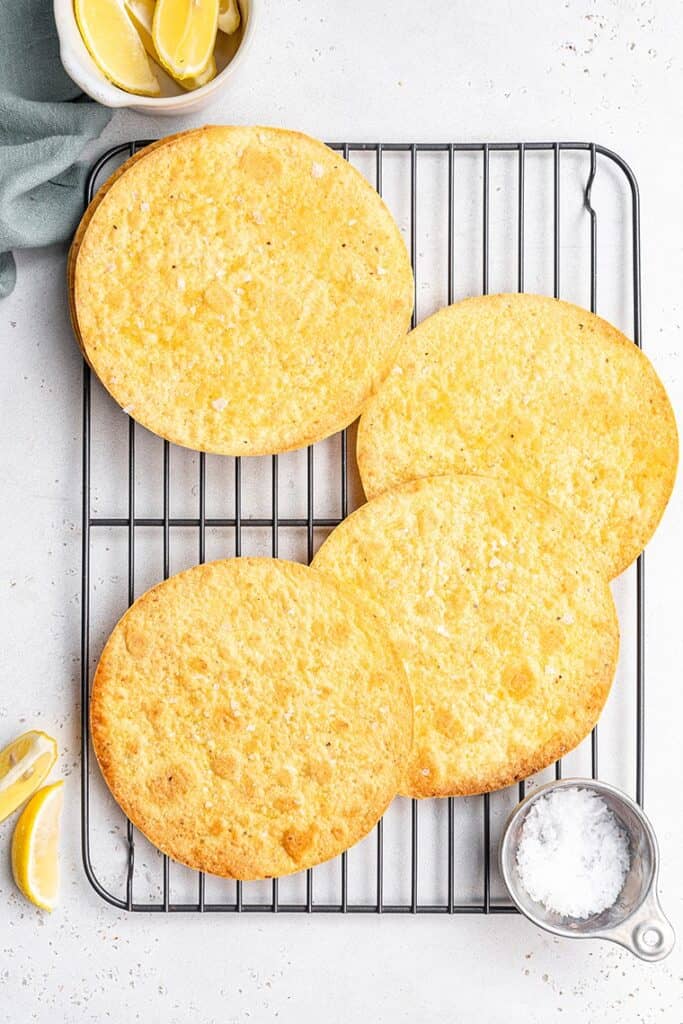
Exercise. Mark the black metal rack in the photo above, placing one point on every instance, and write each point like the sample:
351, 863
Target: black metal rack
166, 523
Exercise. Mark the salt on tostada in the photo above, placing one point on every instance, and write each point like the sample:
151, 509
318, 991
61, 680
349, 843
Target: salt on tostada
503, 619
241, 290
541, 392
251, 718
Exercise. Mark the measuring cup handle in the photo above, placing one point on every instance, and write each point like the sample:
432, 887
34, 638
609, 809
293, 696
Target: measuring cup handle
647, 933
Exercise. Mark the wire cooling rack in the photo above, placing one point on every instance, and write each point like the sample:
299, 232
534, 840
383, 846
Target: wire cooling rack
477, 218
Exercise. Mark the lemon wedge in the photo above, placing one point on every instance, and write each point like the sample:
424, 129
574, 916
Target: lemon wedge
24, 765
228, 16
115, 46
141, 13
184, 33
35, 855
196, 81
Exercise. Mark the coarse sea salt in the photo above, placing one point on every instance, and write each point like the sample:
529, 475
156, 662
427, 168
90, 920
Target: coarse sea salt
573, 855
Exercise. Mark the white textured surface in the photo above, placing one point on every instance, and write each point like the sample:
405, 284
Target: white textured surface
605, 71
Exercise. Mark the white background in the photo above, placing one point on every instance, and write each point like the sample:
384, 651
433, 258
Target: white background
608, 71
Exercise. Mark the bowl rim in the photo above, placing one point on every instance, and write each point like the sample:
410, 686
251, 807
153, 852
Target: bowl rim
91, 80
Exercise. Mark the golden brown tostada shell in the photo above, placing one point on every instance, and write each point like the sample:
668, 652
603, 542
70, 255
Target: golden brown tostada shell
505, 624
240, 290
250, 717
541, 392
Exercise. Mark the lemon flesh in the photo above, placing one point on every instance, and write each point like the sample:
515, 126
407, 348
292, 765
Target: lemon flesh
228, 16
184, 33
141, 13
35, 847
24, 765
115, 46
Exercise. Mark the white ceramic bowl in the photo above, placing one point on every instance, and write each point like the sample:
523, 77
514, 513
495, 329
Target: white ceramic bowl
80, 66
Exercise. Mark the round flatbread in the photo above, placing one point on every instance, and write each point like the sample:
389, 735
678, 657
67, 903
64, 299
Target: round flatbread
240, 290
250, 718
541, 392
506, 627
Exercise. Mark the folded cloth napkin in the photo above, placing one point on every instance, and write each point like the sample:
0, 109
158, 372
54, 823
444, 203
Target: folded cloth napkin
42, 133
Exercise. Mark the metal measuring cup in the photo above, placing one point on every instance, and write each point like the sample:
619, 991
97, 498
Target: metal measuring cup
636, 921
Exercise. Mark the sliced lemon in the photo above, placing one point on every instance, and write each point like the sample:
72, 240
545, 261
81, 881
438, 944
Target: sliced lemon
115, 46
35, 852
24, 765
184, 33
228, 16
141, 13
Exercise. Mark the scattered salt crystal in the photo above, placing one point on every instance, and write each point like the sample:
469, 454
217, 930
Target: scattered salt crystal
381, 271
425, 771
573, 854
317, 170
219, 404
494, 562
568, 619
351, 222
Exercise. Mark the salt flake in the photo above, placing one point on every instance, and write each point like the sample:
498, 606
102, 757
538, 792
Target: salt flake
573, 855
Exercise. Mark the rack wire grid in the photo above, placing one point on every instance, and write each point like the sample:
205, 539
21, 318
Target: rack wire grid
476, 217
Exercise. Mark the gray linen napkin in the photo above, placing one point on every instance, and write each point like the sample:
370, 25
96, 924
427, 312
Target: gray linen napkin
42, 134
